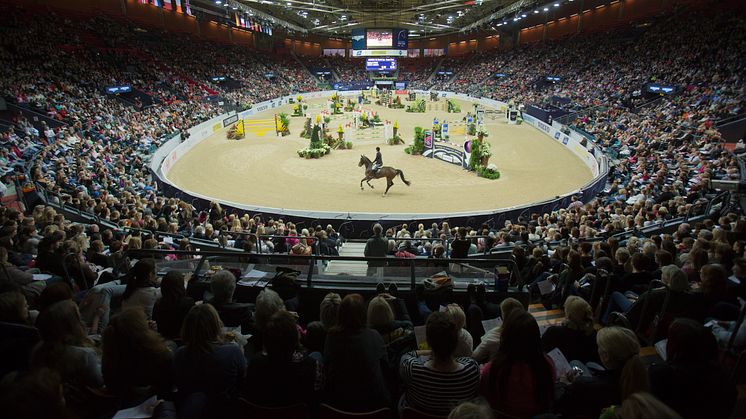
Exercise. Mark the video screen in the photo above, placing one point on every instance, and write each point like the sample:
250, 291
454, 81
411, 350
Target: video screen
380, 38
380, 64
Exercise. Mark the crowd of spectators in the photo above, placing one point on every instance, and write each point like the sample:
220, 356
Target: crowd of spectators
87, 331
349, 69
416, 71
115, 338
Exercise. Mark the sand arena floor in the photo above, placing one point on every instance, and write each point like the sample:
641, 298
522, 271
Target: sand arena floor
266, 171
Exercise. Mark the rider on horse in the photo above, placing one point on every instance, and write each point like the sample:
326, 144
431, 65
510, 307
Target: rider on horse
378, 162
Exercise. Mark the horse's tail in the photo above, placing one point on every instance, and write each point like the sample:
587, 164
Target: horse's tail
401, 175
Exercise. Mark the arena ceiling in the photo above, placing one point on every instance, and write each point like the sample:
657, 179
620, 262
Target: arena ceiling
339, 17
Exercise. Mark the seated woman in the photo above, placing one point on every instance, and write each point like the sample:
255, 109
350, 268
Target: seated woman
436, 384
18, 336
381, 319
282, 375
316, 331
641, 406
140, 291
355, 359
465, 345
490, 344
209, 368
680, 300
135, 361
169, 311
625, 374
691, 381
24, 279
576, 337
65, 347
519, 381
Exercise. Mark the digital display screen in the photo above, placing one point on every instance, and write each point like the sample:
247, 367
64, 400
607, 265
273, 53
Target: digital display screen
662, 89
401, 38
380, 38
112, 90
553, 78
218, 78
380, 64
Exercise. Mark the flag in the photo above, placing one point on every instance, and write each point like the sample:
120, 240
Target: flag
178, 6
188, 9
167, 4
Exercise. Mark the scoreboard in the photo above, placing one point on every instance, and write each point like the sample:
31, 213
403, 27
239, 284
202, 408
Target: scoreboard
380, 64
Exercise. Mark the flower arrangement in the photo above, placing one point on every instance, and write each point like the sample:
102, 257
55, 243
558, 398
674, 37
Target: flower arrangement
419, 142
284, 124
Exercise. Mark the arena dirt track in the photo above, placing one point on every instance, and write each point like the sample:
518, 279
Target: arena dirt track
268, 172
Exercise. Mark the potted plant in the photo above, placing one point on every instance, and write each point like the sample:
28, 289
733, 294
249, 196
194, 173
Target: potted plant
486, 150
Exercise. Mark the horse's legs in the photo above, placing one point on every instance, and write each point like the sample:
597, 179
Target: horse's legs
368, 182
389, 182
361, 183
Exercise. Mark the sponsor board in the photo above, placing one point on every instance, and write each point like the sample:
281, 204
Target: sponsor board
230, 120
379, 53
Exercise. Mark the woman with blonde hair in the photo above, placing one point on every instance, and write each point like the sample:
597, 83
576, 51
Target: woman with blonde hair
381, 319
471, 410
625, 374
134, 243
465, 345
420, 233
641, 406
236, 226
576, 336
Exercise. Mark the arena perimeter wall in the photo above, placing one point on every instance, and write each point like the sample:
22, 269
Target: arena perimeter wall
163, 159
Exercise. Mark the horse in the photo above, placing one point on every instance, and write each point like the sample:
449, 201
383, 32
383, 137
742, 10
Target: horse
386, 171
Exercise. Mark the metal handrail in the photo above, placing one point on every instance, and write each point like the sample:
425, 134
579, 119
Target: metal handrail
313, 259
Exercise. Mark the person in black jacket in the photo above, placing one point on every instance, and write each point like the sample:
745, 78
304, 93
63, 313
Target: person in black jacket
460, 245
576, 338
355, 361
691, 381
283, 375
679, 299
232, 314
169, 311
17, 336
624, 375
376, 246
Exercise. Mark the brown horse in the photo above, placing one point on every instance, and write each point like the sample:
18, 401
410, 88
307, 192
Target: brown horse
386, 171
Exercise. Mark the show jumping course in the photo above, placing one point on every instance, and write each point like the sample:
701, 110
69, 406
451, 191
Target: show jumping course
264, 173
